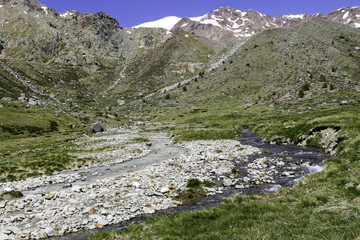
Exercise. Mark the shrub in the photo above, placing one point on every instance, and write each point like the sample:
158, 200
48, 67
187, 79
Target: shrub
301, 93
305, 87
167, 96
332, 87
184, 88
192, 183
325, 85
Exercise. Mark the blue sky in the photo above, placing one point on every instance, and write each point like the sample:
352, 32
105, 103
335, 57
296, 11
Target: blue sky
133, 12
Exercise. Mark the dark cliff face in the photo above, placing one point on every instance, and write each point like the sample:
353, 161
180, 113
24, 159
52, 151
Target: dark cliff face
71, 38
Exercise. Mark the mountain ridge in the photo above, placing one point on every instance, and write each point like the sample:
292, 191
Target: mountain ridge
229, 22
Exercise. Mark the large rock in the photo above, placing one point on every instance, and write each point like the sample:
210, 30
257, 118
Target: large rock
14, 230
33, 102
5, 237
50, 232
121, 102
96, 127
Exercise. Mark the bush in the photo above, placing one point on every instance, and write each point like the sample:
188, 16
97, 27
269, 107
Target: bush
332, 87
192, 183
301, 93
325, 85
167, 96
184, 88
305, 87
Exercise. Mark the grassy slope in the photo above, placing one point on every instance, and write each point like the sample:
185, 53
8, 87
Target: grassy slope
162, 66
273, 66
36, 140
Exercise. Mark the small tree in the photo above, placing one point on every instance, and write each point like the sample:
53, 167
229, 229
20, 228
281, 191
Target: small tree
325, 85
301, 93
184, 88
305, 87
167, 96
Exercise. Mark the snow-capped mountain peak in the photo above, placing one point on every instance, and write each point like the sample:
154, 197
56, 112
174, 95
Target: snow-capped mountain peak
228, 22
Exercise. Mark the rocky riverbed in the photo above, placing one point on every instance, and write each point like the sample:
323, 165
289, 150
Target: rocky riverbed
144, 185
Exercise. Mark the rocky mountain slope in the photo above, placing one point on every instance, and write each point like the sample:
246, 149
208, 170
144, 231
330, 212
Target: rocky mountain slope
90, 59
63, 53
321, 59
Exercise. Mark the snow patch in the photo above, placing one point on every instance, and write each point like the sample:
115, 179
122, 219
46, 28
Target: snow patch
294, 16
65, 14
346, 15
357, 25
211, 21
25, 12
198, 19
45, 9
167, 23
1, 6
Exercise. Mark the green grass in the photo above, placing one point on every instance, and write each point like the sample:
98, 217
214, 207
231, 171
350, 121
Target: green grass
37, 156
10, 195
36, 141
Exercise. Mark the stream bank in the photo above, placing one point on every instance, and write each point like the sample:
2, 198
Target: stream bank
291, 164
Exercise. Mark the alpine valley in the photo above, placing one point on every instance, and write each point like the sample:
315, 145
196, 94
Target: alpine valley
177, 98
